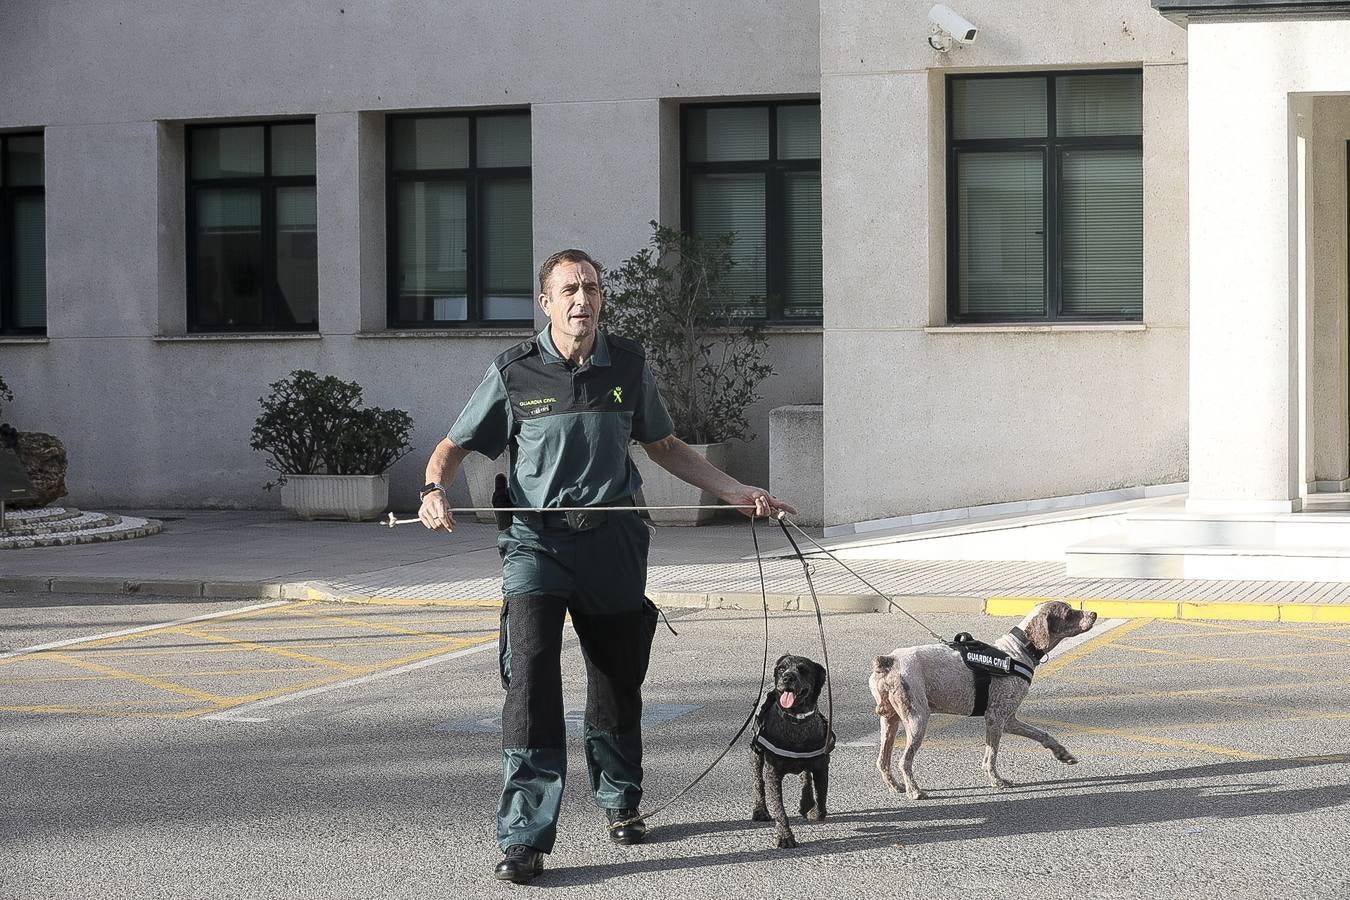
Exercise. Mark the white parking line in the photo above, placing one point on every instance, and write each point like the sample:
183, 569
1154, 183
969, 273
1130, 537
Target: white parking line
873, 738
125, 631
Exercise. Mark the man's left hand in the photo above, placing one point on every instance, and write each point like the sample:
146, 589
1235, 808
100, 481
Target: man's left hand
764, 503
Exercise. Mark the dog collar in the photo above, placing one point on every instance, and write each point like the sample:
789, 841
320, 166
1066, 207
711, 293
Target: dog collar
1021, 637
799, 716
793, 754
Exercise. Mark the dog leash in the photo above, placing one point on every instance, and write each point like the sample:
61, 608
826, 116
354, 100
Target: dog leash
875, 590
783, 522
754, 706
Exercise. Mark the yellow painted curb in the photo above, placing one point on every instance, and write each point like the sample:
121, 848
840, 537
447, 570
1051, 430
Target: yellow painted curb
1011, 606
1297, 612
1130, 609
1179, 609
1238, 612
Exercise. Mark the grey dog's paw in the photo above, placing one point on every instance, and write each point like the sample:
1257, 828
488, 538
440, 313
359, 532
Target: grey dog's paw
785, 842
760, 814
1067, 758
814, 814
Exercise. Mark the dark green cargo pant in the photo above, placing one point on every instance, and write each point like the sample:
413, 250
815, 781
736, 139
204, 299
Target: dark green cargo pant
599, 577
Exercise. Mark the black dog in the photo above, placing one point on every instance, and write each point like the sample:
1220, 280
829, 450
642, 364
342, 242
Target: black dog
791, 736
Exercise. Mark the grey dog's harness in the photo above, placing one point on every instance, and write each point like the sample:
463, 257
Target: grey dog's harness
986, 661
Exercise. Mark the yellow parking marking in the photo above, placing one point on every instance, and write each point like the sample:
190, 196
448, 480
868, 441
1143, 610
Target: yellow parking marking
58, 679
263, 648
1077, 653
1180, 658
365, 670
1213, 630
1149, 739
122, 675
166, 629
120, 653
381, 626
93, 711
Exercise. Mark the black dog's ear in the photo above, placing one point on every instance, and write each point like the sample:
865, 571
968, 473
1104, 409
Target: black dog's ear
820, 674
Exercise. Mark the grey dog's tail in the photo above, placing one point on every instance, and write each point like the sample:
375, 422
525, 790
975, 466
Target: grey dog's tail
882, 665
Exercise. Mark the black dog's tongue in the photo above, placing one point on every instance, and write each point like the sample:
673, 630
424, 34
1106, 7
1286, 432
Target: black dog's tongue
786, 699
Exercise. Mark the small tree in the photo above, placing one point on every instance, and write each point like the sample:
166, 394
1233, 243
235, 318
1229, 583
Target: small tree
5, 394
313, 425
671, 297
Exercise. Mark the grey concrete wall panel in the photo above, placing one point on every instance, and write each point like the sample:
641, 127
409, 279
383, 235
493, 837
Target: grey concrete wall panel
155, 417
797, 460
94, 61
922, 416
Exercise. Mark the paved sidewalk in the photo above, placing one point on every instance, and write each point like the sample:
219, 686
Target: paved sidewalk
267, 554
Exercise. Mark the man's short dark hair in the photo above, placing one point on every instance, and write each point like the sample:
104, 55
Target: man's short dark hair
572, 256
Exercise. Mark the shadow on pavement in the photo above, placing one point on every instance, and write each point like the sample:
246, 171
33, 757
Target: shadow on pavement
914, 823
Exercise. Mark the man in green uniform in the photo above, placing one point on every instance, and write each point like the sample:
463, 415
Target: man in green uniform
566, 404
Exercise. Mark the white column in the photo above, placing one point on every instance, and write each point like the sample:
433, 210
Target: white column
1244, 361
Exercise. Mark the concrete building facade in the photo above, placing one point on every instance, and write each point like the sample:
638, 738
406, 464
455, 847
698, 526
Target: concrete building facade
924, 409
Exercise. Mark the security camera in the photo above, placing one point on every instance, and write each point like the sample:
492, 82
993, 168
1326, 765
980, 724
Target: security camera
949, 27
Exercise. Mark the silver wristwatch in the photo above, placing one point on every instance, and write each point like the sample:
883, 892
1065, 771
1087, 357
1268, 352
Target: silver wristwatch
432, 486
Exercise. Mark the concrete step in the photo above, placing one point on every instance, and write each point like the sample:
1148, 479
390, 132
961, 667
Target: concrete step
1118, 556
1040, 536
1176, 527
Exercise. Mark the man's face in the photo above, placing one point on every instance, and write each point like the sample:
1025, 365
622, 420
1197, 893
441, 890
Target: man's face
572, 300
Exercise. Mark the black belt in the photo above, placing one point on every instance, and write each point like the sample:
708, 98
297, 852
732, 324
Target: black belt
587, 519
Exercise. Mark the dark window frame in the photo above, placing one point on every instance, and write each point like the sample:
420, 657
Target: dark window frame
773, 169
267, 184
1052, 149
472, 177
8, 194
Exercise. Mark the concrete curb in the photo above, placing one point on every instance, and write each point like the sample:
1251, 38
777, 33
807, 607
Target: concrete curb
778, 601
1180, 609
149, 587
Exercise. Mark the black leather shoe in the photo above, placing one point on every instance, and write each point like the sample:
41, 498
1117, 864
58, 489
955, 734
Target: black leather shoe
521, 864
632, 833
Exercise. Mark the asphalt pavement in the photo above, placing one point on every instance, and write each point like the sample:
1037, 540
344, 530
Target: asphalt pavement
300, 748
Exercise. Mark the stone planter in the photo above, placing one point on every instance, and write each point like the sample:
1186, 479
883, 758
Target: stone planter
660, 488
355, 498
480, 474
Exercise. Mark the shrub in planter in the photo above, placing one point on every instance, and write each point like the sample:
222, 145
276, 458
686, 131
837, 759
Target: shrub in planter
671, 297
317, 426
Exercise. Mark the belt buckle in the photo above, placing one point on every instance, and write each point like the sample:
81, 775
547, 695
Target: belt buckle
585, 519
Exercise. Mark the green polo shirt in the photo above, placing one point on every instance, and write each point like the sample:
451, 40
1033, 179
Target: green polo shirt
568, 427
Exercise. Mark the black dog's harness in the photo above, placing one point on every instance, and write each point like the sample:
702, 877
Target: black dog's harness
760, 743
987, 661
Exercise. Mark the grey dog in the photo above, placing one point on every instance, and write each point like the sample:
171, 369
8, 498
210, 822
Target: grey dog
792, 736
912, 682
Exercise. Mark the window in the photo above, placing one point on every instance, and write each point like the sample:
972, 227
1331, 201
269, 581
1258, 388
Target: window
1045, 197
461, 247
252, 228
754, 169
23, 236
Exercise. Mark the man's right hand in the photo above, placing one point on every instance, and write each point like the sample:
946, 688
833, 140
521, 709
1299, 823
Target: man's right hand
435, 512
